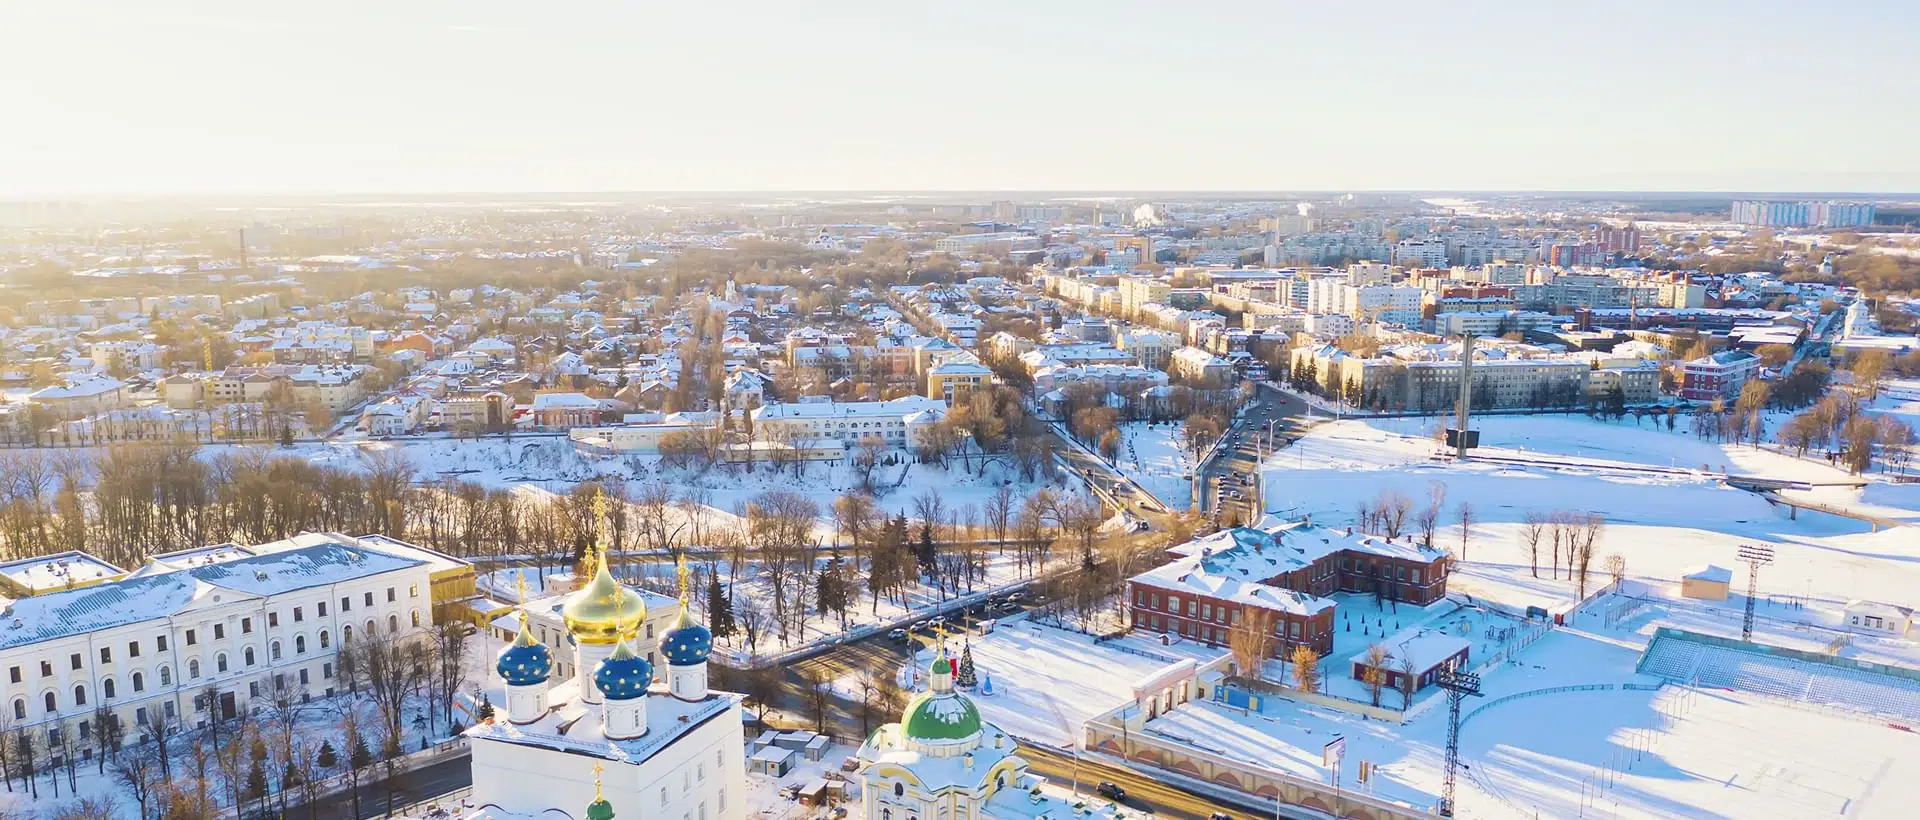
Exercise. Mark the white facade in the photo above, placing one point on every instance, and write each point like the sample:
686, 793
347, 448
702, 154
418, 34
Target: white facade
245, 621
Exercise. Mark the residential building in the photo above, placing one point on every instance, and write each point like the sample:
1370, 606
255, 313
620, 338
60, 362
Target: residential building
1718, 376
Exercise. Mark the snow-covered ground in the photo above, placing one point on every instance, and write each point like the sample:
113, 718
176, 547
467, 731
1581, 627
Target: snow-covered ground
1048, 681
1155, 456
1704, 754
1662, 523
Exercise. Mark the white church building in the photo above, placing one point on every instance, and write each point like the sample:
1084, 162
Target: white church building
618, 733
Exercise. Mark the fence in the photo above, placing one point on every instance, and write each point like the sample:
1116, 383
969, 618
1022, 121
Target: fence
1902, 672
1534, 693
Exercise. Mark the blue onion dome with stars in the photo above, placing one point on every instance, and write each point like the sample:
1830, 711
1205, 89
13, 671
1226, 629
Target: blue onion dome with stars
526, 661
624, 675
687, 642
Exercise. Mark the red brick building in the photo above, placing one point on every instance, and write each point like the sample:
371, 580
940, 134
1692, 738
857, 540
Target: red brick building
1287, 572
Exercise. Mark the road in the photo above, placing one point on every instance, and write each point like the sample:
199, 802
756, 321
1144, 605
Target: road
446, 780
1143, 794
1232, 468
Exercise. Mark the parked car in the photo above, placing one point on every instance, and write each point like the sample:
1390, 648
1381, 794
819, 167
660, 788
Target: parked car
1111, 791
899, 636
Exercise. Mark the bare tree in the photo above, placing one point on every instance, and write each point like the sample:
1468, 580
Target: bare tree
138, 773
1429, 517
1584, 538
1617, 568
1306, 668
1406, 682
1251, 641
448, 671
999, 513
1391, 508
1374, 670
1532, 528
1465, 515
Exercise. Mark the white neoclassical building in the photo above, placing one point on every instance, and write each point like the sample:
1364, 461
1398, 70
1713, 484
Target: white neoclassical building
249, 622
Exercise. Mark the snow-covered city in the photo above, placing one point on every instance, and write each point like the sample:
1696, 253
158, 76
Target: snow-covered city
789, 412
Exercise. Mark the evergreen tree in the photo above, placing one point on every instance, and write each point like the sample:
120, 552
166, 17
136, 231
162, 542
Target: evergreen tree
719, 608
963, 677
361, 757
286, 434
486, 709
256, 781
328, 758
925, 552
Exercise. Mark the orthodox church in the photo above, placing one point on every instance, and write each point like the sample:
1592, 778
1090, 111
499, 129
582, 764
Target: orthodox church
942, 762
655, 742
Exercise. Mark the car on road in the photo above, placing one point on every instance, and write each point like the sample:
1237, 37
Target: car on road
1219, 815
1111, 790
899, 636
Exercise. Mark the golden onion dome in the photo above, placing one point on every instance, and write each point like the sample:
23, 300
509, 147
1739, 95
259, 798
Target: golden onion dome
604, 611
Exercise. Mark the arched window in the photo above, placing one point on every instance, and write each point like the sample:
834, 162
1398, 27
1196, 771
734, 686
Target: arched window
346, 634
106, 689
139, 682
325, 639
246, 656
663, 796
220, 662
899, 790
193, 669
273, 650
80, 695
166, 676
299, 644
886, 814
393, 624
416, 619
52, 706
19, 708
372, 629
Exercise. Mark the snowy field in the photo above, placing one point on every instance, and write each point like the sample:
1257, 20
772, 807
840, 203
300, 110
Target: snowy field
1156, 457
1048, 681
1663, 524
1684, 754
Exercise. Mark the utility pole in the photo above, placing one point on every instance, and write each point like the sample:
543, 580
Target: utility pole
1459, 685
1756, 557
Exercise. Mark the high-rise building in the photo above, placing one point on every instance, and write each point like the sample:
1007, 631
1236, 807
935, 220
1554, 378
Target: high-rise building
1827, 214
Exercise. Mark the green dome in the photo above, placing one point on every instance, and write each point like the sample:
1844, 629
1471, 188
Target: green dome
600, 810
940, 716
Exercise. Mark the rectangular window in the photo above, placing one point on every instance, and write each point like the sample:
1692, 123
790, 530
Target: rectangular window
273, 619
346, 604
326, 671
74, 659
1206, 611
13, 674
1294, 628
106, 654
367, 598
246, 626
389, 594
413, 591
303, 677
133, 649
253, 689
323, 609
219, 632
160, 643
1416, 576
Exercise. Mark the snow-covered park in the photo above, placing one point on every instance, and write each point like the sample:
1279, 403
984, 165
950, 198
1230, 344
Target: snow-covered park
1155, 456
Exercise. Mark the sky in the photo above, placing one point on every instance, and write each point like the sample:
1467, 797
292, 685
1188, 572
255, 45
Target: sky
160, 97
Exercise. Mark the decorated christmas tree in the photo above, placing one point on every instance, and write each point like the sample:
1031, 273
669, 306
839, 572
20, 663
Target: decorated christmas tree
963, 677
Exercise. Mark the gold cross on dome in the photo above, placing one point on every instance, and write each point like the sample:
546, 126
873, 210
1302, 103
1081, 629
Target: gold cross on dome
686, 579
597, 768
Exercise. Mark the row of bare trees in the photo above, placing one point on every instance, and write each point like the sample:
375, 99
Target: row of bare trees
1569, 534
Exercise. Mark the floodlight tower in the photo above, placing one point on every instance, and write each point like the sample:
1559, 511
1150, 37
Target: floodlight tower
1756, 557
1459, 685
